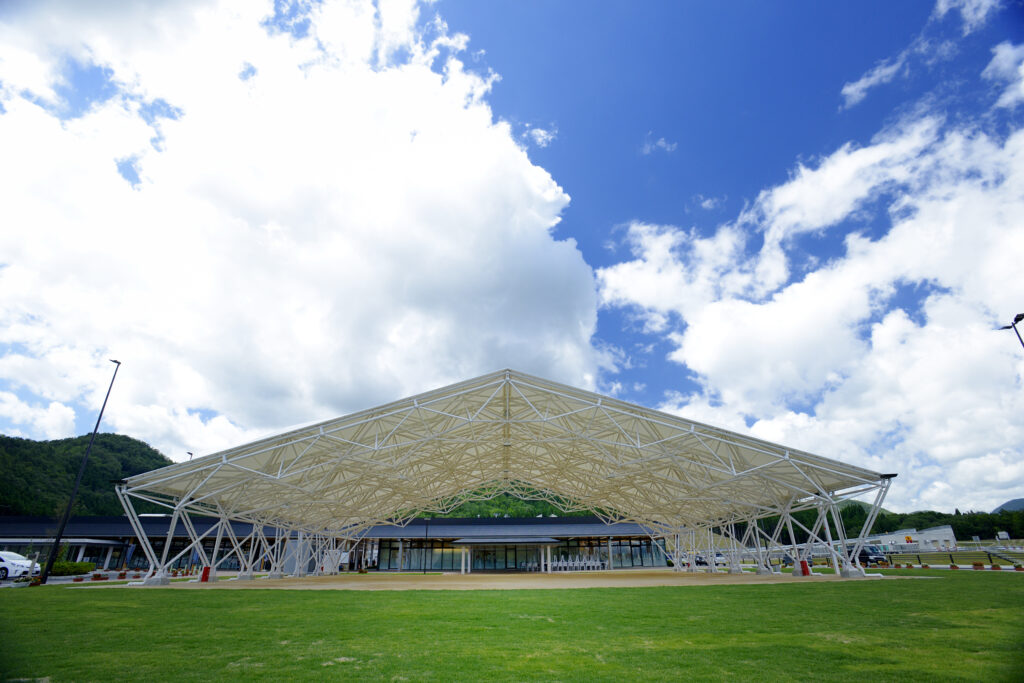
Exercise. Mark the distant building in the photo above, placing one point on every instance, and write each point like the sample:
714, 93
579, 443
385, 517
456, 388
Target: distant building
935, 538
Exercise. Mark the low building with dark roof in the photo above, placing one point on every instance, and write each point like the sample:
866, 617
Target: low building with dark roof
448, 544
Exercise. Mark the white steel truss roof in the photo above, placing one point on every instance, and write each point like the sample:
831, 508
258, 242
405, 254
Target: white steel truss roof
505, 431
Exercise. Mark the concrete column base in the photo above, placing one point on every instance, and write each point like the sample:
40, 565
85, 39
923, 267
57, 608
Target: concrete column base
157, 580
735, 570
763, 571
852, 573
244, 577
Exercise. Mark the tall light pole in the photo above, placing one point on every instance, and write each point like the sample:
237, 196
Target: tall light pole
78, 480
1016, 319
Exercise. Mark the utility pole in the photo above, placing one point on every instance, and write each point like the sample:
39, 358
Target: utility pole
74, 491
1016, 319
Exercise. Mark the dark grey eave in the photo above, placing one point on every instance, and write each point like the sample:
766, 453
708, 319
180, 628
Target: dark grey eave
507, 540
555, 527
108, 528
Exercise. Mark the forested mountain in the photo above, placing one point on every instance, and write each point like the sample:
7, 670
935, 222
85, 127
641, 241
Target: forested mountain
1015, 504
36, 476
965, 524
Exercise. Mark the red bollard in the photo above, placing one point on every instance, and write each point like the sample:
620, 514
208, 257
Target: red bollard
804, 569
206, 575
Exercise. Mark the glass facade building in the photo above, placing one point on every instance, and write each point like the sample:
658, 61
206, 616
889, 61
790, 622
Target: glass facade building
445, 555
436, 545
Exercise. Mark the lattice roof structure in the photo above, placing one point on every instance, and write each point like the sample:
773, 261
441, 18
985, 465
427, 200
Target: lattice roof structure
503, 432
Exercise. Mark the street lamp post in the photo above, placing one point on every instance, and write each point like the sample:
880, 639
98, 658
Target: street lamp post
78, 480
1016, 319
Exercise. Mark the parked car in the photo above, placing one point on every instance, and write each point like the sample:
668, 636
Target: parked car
13, 565
869, 555
701, 562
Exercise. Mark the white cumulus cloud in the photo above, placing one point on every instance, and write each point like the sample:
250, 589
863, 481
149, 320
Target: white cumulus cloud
542, 137
332, 220
974, 13
884, 356
883, 72
651, 145
1007, 65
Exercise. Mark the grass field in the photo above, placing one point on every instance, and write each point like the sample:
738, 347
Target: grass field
956, 626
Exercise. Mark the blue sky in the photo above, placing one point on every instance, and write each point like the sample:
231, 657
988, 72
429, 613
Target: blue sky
798, 220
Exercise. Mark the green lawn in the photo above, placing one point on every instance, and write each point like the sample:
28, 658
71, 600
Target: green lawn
958, 626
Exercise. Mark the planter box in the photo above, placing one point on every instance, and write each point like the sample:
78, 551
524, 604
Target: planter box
978, 565
78, 579
953, 566
996, 567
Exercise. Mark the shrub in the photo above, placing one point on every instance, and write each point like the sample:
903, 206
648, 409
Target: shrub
71, 568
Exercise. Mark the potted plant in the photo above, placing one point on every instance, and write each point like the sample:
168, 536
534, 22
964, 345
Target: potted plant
953, 566
924, 566
978, 565
1018, 568
996, 566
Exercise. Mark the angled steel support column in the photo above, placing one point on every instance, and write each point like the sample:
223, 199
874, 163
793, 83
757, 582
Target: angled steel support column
216, 548
140, 532
277, 554
159, 576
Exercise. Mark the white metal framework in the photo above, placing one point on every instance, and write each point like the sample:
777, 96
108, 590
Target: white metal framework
323, 485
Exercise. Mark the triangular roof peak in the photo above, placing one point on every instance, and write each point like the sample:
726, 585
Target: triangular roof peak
503, 431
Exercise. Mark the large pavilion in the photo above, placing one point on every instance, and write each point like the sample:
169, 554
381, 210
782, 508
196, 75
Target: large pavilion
312, 493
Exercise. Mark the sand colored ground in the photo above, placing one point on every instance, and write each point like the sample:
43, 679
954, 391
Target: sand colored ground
605, 579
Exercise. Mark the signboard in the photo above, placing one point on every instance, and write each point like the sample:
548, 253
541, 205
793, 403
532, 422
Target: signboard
909, 539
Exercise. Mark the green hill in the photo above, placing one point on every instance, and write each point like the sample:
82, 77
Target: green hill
1011, 505
36, 476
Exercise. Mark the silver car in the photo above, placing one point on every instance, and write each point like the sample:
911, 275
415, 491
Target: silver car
13, 565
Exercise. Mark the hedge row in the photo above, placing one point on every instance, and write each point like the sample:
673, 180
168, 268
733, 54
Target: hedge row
71, 568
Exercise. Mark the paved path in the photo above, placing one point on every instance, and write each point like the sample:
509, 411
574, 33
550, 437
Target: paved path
605, 579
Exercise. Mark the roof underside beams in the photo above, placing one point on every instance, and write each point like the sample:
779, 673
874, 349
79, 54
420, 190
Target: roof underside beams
505, 431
